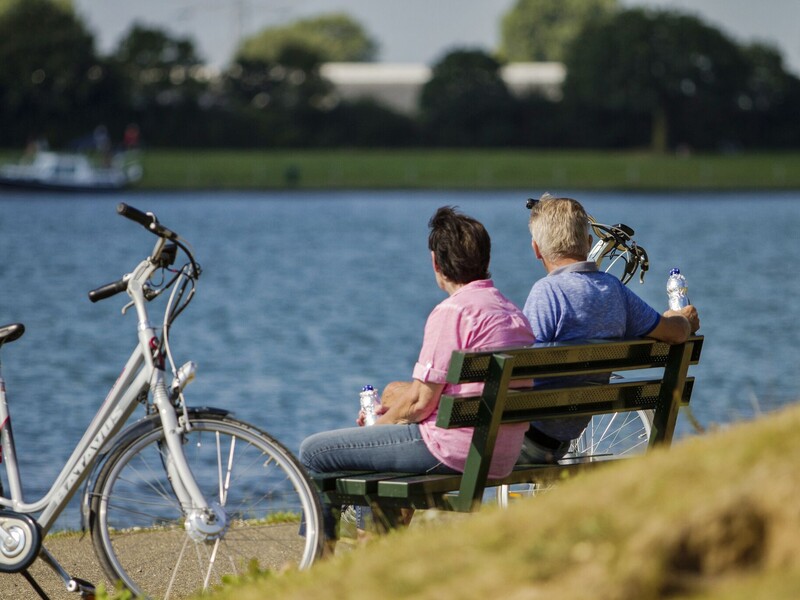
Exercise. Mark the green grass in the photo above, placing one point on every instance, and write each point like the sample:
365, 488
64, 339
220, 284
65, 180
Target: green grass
466, 169
462, 169
715, 517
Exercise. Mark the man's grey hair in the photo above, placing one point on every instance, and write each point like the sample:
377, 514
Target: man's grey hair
560, 227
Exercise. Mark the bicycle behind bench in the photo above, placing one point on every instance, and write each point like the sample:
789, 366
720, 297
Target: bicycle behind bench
215, 495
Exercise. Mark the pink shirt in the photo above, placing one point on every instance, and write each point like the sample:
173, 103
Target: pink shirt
476, 316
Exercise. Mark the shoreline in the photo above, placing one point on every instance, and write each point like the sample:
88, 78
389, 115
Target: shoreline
461, 169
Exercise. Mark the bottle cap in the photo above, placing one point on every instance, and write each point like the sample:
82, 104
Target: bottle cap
367, 388
675, 271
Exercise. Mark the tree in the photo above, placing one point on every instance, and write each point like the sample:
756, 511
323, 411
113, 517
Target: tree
334, 37
6, 4
287, 96
466, 102
686, 76
160, 69
51, 82
165, 83
366, 123
770, 100
541, 30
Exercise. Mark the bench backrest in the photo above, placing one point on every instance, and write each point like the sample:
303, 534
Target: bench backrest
663, 390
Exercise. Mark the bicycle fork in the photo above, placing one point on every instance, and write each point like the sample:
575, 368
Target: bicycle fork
204, 521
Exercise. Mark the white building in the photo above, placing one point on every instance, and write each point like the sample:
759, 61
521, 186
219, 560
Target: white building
398, 85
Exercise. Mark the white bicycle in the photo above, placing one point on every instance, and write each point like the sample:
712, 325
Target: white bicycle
179, 498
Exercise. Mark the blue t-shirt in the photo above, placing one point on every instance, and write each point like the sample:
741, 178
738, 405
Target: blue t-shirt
579, 301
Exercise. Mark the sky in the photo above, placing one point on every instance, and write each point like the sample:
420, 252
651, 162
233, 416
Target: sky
408, 31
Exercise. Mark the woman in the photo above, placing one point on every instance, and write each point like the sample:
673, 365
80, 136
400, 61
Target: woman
474, 315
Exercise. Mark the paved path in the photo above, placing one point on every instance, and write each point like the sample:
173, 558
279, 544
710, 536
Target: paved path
76, 555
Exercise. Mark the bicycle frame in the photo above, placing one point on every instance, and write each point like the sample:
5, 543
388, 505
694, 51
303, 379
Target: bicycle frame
143, 372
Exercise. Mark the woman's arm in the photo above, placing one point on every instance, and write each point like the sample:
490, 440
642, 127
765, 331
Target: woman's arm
409, 401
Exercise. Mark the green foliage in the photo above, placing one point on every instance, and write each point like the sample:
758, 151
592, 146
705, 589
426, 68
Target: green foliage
466, 102
286, 97
6, 4
541, 30
686, 75
118, 593
253, 573
333, 37
771, 100
49, 73
635, 78
159, 69
364, 123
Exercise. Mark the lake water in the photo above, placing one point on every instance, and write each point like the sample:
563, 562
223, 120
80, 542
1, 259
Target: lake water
307, 296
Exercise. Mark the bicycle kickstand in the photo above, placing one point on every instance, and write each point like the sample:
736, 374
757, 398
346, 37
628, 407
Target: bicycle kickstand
73, 584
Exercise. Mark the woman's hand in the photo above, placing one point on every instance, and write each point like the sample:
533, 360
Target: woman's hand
409, 402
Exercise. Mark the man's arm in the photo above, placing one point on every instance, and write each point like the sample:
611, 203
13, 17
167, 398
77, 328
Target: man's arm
675, 326
409, 401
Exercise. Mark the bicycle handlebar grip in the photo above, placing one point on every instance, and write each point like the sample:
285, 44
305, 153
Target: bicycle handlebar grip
108, 290
134, 214
148, 221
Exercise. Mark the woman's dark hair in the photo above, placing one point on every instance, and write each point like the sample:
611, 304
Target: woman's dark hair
461, 245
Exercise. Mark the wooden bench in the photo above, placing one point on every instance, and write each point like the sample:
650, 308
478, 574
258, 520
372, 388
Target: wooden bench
661, 384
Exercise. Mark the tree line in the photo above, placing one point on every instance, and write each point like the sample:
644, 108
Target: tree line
635, 79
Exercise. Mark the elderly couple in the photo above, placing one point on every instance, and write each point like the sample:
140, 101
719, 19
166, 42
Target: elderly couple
575, 300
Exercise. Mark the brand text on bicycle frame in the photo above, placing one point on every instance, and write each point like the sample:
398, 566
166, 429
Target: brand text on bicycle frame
87, 457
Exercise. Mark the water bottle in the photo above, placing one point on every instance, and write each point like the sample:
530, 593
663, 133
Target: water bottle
677, 290
369, 401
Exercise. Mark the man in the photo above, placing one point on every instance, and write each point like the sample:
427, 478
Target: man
575, 301
474, 315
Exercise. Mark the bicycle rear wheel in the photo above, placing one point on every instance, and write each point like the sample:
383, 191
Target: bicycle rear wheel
139, 529
613, 434
617, 434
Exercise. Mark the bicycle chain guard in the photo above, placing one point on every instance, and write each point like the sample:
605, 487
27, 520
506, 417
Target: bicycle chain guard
20, 541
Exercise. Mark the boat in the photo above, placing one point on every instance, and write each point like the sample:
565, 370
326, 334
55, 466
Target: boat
50, 170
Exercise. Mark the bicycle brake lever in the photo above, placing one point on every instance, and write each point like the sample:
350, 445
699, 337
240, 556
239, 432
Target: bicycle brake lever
126, 307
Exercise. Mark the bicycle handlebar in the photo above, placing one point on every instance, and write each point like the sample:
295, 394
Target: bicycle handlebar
108, 290
146, 220
163, 256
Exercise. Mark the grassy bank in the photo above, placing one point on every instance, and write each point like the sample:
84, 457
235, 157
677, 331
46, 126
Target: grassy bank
462, 169
715, 517
468, 169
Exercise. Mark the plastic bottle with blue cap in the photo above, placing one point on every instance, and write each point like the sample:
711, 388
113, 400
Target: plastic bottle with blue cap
677, 290
369, 402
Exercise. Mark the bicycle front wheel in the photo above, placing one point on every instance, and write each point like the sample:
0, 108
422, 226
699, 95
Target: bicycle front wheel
140, 532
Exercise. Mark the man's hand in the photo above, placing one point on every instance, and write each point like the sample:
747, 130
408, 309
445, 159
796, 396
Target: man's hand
675, 326
690, 313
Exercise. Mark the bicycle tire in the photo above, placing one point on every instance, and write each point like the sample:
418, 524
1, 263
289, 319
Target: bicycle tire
268, 495
617, 434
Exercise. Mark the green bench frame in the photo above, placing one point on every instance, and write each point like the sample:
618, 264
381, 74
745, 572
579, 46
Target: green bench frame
662, 385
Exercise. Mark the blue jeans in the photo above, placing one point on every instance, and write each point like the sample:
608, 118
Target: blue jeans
397, 448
